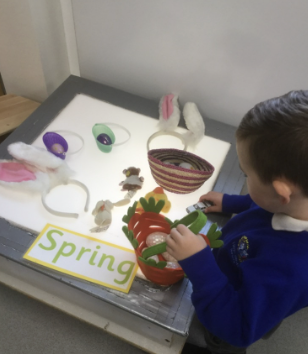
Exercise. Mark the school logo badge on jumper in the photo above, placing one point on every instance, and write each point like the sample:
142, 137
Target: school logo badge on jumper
242, 249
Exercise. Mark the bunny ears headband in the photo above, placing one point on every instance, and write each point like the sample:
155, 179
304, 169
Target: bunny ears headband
169, 117
35, 169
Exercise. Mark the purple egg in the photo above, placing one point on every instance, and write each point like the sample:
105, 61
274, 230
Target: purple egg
104, 139
58, 148
56, 144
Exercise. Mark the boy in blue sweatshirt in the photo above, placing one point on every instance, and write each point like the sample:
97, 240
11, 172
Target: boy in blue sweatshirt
260, 275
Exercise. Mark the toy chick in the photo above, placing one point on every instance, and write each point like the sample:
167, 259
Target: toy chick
158, 194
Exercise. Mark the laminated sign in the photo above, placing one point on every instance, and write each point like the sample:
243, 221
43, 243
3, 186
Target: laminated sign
84, 257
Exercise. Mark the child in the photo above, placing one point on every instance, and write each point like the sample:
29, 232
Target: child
260, 276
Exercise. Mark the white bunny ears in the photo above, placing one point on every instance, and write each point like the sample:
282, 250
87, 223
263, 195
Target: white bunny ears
37, 170
169, 117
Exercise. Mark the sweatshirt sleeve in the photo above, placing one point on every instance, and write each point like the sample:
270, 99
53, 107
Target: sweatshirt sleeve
236, 203
241, 316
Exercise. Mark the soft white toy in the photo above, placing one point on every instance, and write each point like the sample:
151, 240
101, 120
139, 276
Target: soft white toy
37, 170
103, 213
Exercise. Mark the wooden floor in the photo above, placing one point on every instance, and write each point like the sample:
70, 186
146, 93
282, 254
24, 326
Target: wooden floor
13, 111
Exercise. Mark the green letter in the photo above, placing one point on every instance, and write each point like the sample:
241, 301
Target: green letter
82, 251
91, 261
52, 241
104, 256
127, 272
61, 253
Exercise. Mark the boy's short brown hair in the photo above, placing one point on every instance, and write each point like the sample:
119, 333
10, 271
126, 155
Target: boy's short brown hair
277, 133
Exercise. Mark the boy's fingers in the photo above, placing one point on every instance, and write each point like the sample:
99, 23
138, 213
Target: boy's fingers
211, 209
171, 245
175, 234
170, 240
169, 250
181, 228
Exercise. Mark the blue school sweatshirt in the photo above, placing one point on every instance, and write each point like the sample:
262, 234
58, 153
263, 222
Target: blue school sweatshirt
259, 277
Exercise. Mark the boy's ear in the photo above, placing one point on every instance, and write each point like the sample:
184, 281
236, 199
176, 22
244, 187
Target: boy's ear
283, 189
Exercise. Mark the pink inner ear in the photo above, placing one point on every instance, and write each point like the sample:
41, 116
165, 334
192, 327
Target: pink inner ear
167, 106
15, 172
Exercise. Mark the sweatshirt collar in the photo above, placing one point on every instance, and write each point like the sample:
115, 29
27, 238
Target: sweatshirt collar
284, 222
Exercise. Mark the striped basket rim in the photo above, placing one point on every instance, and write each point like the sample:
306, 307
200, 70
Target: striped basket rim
177, 179
173, 180
189, 175
176, 188
153, 156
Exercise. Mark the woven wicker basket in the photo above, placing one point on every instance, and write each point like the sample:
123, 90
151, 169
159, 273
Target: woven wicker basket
177, 179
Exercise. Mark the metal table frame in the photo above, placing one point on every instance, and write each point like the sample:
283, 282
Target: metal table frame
154, 318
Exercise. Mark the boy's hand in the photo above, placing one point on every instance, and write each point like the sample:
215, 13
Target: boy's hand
216, 199
182, 243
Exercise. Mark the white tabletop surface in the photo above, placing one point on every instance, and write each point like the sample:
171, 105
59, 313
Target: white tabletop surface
102, 172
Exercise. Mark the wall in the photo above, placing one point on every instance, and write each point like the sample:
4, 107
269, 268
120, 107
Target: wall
33, 51
224, 55
20, 64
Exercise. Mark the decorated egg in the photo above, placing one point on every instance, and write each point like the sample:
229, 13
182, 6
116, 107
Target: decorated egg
155, 238
58, 148
56, 144
104, 139
172, 265
155, 257
169, 163
186, 165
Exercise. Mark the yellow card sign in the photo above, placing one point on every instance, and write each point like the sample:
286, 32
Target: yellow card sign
84, 257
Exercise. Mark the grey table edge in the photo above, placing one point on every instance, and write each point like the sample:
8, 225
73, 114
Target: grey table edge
169, 307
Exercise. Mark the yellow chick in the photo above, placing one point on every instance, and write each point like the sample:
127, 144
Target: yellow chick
158, 194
